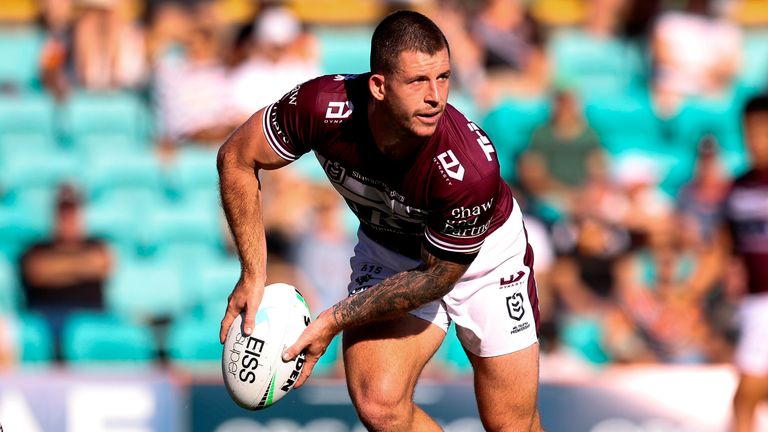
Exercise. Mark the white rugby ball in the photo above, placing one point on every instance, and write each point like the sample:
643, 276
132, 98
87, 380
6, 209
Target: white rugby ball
254, 373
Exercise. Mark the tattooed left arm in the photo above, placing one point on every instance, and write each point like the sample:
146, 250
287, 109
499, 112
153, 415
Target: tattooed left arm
399, 293
392, 297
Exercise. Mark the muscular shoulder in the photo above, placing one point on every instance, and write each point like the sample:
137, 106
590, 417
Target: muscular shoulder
306, 115
328, 97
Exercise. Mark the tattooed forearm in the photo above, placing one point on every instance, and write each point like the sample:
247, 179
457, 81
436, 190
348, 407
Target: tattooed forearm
399, 293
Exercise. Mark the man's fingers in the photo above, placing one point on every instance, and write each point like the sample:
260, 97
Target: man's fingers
226, 323
292, 351
248, 322
306, 371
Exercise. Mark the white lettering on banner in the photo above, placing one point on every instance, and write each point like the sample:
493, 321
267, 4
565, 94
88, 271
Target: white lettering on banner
16, 414
449, 161
103, 408
483, 140
338, 110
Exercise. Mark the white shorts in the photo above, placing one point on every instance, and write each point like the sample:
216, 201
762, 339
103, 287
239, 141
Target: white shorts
752, 350
494, 305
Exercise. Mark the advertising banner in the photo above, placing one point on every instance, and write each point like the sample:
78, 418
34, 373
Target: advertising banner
51, 401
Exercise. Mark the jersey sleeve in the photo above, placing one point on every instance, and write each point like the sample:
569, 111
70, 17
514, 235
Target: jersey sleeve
288, 123
459, 223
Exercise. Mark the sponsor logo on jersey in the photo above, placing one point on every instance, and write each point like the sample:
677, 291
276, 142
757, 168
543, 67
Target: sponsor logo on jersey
467, 212
466, 222
512, 281
338, 111
465, 228
482, 140
451, 165
515, 306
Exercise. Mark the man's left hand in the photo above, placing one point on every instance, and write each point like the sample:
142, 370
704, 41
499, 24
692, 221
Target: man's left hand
313, 342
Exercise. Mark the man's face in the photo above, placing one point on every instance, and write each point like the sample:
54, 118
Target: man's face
417, 91
756, 134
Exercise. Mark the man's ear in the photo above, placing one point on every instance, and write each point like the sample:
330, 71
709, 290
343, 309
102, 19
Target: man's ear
376, 86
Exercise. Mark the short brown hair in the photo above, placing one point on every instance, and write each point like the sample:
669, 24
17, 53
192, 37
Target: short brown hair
404, 31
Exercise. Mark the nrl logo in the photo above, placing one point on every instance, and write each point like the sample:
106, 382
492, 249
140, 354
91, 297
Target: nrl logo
515, 306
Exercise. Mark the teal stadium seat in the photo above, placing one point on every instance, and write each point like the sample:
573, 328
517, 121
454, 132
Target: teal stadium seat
113, 144
183, 223
91, 339
192, 342
213, 281
106, 114
21, 224
193, 175
509, 125
10, 289
344, 50
27, 121
26, 169
625, 123
604, 66
36, 342
114, 221
130, 176
147, 290
584, 336
20, 50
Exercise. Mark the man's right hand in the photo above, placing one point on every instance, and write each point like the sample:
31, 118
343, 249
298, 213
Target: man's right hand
245, 296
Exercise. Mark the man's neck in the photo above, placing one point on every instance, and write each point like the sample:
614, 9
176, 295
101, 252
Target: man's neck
387, 136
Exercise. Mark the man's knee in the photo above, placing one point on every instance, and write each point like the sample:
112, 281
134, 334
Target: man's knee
382, 410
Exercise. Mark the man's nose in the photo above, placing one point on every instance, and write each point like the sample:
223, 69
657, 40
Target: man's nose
432, 95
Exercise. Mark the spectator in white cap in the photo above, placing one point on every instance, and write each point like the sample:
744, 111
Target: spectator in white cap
281, 54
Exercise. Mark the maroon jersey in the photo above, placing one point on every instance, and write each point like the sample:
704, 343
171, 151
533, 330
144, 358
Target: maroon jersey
746, 210
448, 196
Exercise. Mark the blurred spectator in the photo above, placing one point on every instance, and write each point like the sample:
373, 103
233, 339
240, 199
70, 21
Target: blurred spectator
566, 143
585, 280
648, 207
468, 73
109, 47
745, 241
191, 89
324, 249
280, 55
534, 189
57, 68
69, 270
513, 49
282, 268
658, 294
694, 53
287, 198
604, 18
700, 200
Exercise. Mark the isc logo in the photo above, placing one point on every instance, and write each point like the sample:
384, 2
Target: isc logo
338, 110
